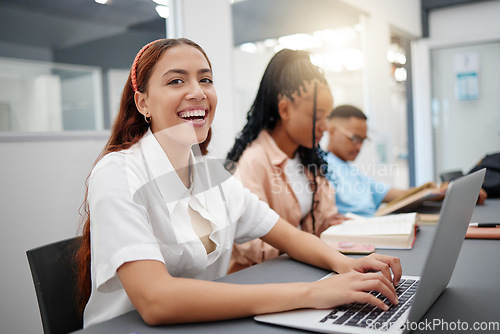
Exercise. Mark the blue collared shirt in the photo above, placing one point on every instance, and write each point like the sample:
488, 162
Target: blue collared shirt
354, 191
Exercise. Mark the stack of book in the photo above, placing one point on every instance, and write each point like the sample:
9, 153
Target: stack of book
392, 231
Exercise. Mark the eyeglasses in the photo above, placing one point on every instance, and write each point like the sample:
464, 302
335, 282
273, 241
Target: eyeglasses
354, 138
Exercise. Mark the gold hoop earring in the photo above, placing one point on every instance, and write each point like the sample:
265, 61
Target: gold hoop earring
147, 119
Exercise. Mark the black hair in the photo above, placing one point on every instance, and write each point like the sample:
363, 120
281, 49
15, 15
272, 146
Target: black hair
346, 111
288, 72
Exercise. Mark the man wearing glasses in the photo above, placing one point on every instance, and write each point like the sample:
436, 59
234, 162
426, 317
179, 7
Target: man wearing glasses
354, 191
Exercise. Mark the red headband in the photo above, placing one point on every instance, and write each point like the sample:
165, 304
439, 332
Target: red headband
133, 74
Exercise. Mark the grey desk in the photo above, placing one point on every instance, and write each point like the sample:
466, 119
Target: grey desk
473, 294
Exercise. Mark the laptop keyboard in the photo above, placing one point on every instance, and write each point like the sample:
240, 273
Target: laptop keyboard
368, 316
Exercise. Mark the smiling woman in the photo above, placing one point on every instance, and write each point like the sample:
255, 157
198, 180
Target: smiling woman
167, 106
179, 99
162, 215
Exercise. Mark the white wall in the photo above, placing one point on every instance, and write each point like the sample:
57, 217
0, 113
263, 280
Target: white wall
403, 14
381, 18
246, 82
452, 26
464, 23
42, 188
478, 118
216, 38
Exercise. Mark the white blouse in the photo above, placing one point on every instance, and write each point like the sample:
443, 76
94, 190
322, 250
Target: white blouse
139, 211
300, 184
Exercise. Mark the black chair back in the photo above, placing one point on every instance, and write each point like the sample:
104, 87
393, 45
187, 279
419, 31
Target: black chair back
54, 278
450, 176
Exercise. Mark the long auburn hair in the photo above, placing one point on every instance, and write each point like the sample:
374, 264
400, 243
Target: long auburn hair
129, 127
287, 73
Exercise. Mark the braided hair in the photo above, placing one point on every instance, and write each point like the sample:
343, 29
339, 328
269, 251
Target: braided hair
287, 73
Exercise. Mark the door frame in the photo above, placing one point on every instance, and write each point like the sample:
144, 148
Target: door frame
422, 96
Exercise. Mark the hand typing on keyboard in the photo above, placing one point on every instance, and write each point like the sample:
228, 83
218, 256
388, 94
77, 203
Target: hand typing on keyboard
365, 315
375, 263
353, 287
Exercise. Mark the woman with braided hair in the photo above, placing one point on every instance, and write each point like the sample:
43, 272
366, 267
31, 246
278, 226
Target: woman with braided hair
277, 151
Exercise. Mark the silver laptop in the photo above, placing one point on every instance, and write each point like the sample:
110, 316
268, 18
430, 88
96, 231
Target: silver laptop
416, 294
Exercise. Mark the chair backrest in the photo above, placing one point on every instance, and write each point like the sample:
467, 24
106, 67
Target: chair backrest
450, 176
54, 278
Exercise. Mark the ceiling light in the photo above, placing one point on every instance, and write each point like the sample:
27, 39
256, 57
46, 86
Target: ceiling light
400, 74
333, 62
317, 60
270, 43
353, 59
359, 27
300, 41
248, 47
163, 11
102, 2
396, 54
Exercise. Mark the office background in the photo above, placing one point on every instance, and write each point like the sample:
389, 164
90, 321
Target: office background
43, 169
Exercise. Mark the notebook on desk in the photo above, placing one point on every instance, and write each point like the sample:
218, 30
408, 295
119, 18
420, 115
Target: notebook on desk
416, 294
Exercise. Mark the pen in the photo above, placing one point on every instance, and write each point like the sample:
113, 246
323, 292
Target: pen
485, 224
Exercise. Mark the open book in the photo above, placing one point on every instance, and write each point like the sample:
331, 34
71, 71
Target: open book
414, 198
392, 231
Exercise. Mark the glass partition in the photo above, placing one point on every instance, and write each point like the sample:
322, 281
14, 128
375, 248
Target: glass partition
63, 65
49, 97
